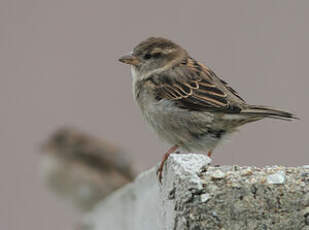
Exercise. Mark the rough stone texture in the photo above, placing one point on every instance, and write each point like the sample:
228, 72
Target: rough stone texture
195, 196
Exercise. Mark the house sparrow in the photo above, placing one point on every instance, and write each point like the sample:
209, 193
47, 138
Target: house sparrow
83, 169
184, 101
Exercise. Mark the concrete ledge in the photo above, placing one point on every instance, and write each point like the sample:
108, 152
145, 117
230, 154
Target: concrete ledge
194, 196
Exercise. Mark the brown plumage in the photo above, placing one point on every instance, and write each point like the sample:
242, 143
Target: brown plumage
82, 168
184, 101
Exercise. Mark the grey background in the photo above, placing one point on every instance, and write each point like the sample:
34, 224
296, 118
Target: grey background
58, 66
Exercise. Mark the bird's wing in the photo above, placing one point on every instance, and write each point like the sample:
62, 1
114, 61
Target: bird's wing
193, 86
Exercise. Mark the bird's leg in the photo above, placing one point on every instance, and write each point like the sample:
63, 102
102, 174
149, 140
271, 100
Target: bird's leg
209, 153
160, 169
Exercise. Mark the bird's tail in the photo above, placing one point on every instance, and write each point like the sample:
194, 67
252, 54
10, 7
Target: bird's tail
264, 111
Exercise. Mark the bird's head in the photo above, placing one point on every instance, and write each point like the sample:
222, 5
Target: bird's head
154, 54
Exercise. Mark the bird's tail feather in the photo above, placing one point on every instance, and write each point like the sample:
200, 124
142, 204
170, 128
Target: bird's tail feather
264, 111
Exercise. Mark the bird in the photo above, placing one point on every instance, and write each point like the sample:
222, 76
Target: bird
83, 169
184, 101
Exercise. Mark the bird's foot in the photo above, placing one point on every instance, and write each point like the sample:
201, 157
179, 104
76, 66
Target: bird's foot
165, 157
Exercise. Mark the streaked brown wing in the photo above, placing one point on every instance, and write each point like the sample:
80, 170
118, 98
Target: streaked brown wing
234, 92
193, 86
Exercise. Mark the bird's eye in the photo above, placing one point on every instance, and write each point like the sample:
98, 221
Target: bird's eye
156, 55
147, 56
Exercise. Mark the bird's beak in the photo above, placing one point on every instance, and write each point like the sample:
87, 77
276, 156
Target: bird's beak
130, 59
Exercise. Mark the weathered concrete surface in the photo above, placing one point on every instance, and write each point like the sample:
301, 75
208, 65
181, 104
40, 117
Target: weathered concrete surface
194, 196
135, 206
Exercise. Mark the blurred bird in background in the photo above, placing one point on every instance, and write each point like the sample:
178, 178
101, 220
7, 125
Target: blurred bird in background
83, 169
